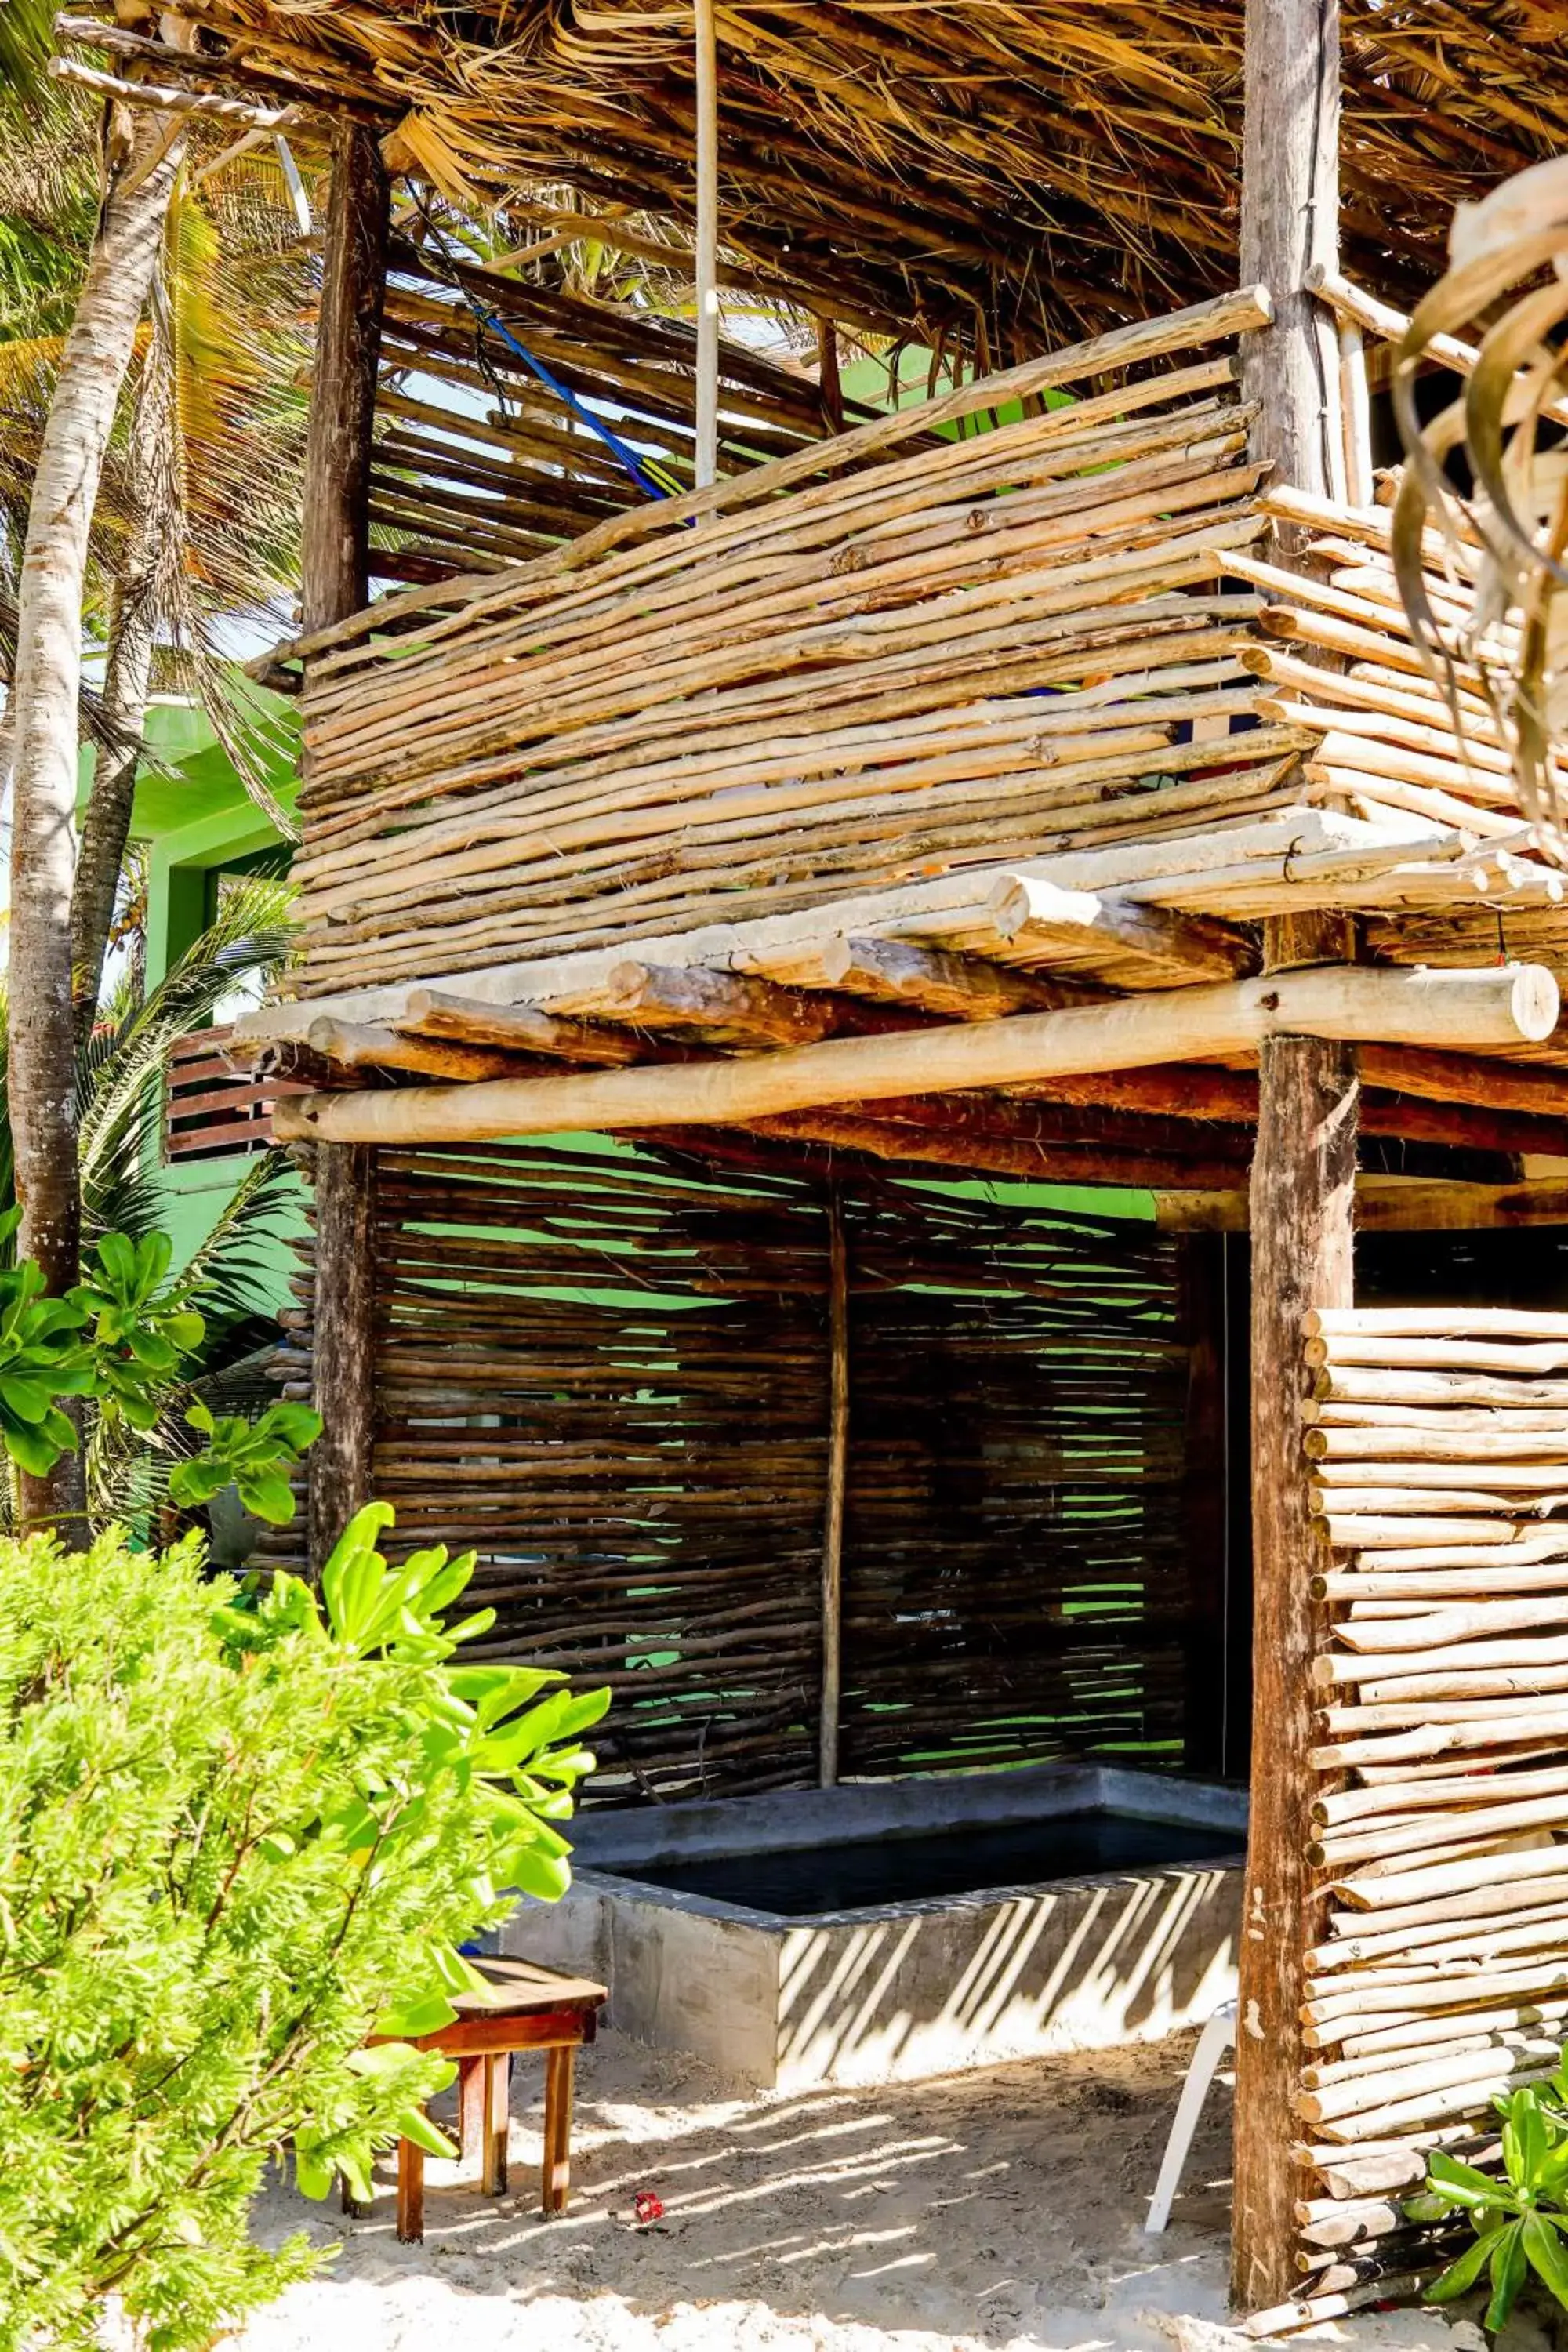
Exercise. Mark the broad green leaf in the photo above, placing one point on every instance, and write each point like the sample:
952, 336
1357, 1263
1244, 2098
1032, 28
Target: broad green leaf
311, 2177
270, 1499
420, 2014
1508, 2267
415, 2125
545, 1876
1461, 2275
1547, 2257
1461, 2182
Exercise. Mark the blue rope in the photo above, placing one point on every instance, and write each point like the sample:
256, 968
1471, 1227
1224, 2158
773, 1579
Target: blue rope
611, 441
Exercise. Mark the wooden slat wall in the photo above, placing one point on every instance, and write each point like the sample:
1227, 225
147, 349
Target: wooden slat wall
1440, 1457
978, 651
211, 1105
478, 464
1016, 1575
609, 1373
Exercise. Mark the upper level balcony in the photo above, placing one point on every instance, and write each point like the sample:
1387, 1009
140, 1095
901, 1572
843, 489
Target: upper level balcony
1000, 674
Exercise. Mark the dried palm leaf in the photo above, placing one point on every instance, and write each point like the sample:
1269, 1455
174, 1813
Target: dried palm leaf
1509, 525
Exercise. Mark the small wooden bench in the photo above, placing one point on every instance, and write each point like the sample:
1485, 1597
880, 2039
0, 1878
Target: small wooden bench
523, 2008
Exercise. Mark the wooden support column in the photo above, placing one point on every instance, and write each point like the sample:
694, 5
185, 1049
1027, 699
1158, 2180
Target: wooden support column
707, 449
837, 1480
1205, 1495
343, 1347
334, 583
1303, 1178
1303, 1197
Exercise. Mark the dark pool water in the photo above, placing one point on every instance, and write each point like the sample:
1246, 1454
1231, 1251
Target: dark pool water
866, 1873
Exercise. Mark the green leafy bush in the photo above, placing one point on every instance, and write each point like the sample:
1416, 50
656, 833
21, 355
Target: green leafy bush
255, 1456
122, 1336
241, 1830
1520, 2220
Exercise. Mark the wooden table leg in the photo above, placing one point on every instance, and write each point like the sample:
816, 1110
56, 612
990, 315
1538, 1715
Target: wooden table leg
410, 2192
497, 2122
471, 2108
556, 2179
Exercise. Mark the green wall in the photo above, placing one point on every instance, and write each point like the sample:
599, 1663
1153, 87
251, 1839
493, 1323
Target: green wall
198, 822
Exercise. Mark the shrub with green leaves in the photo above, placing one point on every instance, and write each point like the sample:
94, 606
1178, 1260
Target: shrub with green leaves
1521, 2220
241, 1830
122, 1336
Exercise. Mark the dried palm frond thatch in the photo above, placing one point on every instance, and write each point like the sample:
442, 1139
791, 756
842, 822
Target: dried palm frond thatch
1003, 175
1489, 474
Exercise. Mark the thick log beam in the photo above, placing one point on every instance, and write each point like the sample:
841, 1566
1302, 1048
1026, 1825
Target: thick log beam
1036, 1161
356, 1046
1494, 1008
1386, 1204
1031, 912
1303, 1177
678, 997
929, 980
335, 582
519, 1028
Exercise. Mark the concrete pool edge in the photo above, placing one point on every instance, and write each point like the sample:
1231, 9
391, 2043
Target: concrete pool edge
911, 1989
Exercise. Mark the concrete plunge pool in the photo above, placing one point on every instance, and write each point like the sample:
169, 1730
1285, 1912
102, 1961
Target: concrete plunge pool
902, 1928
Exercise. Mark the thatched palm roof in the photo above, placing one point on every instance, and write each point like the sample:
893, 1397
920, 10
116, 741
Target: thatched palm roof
1009, 171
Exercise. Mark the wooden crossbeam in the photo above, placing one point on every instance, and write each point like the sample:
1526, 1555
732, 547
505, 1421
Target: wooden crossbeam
359, 1046
1041, 1159
663, 997
1490, 1009
896, 971
517, 1028
1386, 1204
1030, 911
1464, 1118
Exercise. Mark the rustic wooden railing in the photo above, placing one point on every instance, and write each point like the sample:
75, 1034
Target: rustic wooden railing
210, 1104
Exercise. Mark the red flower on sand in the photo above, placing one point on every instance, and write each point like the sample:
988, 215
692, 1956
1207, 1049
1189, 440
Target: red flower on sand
648, 2207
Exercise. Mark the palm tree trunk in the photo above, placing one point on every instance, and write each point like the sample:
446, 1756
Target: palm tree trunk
41, 1081
127, 684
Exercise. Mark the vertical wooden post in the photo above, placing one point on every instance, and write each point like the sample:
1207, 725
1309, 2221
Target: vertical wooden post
1303, 1177
837, 1472
334, 583
334, 557
342, 1343
707, 244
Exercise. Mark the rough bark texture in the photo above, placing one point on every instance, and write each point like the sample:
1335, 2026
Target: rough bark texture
1303, 1190
41, 1081
1289, 219
838, 1472
334, 554
127, 683
1303, 1177
343, 1341
335, 582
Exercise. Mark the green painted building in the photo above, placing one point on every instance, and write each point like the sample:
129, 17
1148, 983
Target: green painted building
199, 824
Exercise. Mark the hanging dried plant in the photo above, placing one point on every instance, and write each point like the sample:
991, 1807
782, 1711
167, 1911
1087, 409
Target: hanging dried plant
1502, 534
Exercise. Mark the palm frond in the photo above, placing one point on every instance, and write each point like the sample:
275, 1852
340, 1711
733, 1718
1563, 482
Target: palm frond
230, 1277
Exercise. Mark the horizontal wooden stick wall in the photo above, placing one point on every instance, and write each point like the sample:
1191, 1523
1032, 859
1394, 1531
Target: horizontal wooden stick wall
609, 1371
956, 651
480, 463
1438, 1446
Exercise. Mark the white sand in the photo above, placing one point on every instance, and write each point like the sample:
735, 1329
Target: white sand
997, 2212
